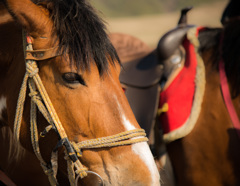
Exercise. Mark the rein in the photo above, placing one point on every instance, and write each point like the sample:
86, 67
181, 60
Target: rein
227, 98
226, 92
41, 101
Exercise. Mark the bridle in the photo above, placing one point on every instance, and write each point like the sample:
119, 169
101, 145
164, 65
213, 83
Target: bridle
41, 101
225, 87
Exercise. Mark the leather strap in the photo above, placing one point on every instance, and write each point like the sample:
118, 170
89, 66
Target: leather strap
5, 179
227, 98
44, 54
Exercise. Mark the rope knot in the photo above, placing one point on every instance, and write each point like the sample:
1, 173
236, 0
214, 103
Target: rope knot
48, 171
31, 68
35, 96
77, 149
81, 172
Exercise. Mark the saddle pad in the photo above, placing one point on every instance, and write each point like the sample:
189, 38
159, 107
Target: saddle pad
181, 92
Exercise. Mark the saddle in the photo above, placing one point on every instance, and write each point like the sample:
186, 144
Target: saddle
143, 69
140, 76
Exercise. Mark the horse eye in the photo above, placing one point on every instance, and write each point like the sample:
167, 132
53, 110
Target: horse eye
73, 78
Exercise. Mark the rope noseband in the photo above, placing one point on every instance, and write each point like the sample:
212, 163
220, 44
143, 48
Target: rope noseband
41, 101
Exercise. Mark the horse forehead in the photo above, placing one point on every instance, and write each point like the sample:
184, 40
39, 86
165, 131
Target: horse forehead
107, 80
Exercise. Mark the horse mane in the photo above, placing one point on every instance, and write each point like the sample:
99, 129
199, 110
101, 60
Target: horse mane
16, 151
231, 54
224, 43
82, 34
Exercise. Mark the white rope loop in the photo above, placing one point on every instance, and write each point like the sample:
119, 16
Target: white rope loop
36, 98
124, 138
19, 109
34, 131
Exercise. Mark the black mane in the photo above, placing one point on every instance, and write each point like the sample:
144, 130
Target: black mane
225, 44
231, 54
82, 34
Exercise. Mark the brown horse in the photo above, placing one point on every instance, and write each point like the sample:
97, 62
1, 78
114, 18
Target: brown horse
209, 153
75, 87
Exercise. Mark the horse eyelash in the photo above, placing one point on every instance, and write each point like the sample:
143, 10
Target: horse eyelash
76, 78
81, 80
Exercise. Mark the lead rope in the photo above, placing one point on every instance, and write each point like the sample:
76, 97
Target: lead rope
40, 100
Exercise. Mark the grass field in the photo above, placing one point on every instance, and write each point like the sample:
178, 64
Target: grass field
151, 28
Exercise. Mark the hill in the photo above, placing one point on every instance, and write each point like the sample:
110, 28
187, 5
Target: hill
150, 28
125, 8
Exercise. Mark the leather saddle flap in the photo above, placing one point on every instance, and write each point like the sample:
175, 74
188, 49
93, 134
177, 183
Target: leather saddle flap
143, 72
144, 103
139, 62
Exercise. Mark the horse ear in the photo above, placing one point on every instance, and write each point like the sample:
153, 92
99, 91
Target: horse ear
231, 11
47, 6
34, 18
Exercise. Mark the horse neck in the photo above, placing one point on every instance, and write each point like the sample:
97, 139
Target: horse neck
213, 80
11, 58
221, 44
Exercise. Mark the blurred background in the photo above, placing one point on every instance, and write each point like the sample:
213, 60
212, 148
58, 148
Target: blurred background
150, 19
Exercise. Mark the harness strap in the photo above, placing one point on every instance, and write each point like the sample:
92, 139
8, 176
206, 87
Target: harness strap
5, 179
39, 55
227, 98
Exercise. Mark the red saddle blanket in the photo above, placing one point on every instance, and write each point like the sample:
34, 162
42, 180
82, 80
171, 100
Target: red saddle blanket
179, 94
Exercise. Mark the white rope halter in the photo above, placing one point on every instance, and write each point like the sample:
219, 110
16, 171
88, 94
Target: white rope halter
41, 100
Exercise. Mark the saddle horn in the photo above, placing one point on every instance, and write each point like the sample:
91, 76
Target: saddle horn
183, 17
169, 51
173, 39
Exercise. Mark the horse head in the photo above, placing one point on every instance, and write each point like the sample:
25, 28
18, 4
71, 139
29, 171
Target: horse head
73, 71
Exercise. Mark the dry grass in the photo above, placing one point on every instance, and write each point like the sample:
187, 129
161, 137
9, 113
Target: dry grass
151, 28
